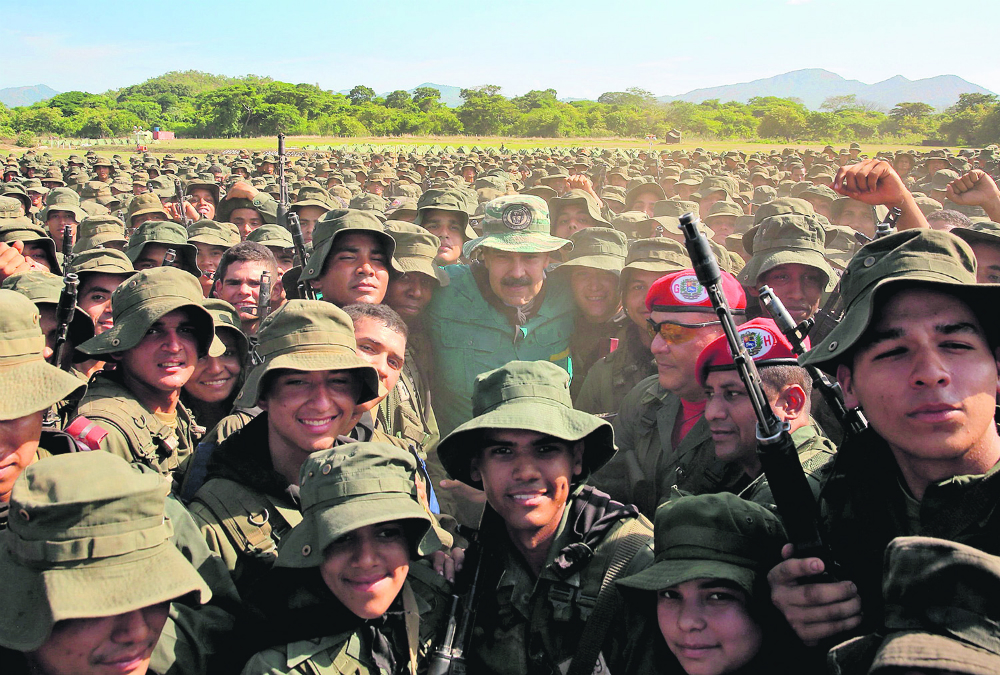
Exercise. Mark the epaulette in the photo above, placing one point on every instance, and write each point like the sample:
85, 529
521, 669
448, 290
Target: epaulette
87, 432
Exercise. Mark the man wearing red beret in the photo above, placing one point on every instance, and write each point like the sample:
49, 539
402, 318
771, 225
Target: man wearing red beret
730, 414
662, 436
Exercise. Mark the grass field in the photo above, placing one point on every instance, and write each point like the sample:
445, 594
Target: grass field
200, 146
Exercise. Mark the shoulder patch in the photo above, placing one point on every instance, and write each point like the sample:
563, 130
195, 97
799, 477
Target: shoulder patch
87, 432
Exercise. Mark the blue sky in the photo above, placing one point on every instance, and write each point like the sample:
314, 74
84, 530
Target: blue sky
581, 48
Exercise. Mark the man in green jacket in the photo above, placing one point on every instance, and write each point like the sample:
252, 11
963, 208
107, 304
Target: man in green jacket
500, 308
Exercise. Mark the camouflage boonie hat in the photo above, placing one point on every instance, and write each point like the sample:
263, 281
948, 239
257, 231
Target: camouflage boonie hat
88, 537
352, 486
516, 224
165, 233
99, 231
30, 384
337, 222
531, 396
309, 336
62, 199
941, 613
213, 233
143, 300
272, 235
416, 249
921, 257
783, 240
143, 204
712, 536
599, 248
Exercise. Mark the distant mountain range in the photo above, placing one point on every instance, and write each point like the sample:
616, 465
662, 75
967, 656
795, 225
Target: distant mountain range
18, 96
814, 85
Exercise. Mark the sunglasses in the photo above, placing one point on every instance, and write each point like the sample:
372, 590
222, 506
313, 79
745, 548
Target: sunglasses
676, 333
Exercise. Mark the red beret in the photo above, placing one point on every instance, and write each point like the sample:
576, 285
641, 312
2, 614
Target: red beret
767, 346
681, 292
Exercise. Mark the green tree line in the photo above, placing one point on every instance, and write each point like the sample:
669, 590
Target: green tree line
200, 105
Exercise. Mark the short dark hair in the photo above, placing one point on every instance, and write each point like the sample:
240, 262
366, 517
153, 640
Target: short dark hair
384, 314
775, 377
247, 251
949, 216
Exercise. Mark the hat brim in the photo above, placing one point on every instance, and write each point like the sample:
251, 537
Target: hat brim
829, 352
34, 386
605, 263
36, 600
457, 449
128, 333
517, 242
919, 650
668, 573
324, 524
425, 267
317, 259
311, 361
767, 261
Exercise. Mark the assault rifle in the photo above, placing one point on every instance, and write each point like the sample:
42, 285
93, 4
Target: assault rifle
830, 314
851, 420
179, 196
65, 311
775, 448
68, 242
449, 656
263, 297
306, 291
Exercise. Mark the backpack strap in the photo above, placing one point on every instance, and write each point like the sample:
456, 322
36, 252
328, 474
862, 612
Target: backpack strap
248, 517
633, 537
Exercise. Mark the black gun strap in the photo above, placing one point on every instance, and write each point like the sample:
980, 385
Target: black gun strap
608, 600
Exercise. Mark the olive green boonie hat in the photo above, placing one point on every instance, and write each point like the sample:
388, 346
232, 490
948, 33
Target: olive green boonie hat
310, 336
717, 536
530, 396
416, 249
783, 240
917, 258
657, 254
213, 233
102, 261
226, 318
143, 300
339, 222
941, 613
600, 248
45, 289
99, 231
349, 487
516, 224
579, 198
29, 383
272, 235
88, 537
445, 199
165, 233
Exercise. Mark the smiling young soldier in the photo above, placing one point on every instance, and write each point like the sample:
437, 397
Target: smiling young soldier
730, 415
548, 539
101, 271
160, 330
663, 437
310, 385
614, 376
593, 269
917, 350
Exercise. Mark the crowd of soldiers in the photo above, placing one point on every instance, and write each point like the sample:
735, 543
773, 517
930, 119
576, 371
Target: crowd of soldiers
474, 411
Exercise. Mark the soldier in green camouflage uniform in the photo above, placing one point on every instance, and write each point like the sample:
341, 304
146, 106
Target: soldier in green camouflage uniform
548, 539
361, 517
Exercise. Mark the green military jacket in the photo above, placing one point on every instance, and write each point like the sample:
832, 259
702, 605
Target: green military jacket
469, 336
134, 432
647, 466
816, 453
590, 343
424, 604
615, 375
865, 504
532, 626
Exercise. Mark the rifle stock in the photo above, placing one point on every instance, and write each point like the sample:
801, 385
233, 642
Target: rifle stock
775, 448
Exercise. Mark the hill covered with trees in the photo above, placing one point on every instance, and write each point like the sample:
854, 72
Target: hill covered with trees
201, 105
